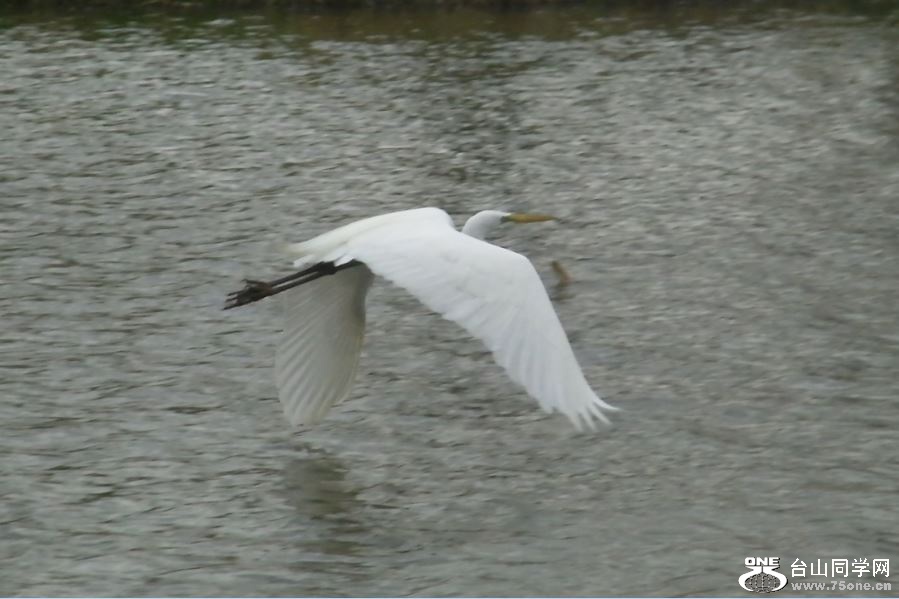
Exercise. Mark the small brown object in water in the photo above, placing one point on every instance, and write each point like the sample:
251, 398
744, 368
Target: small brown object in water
564, 277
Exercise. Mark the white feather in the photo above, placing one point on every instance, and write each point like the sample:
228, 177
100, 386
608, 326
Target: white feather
321, 342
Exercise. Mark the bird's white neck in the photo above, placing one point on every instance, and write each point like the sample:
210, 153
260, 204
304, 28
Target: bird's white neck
483, 222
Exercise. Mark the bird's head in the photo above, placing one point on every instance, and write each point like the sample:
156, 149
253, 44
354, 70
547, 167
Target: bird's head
483, 222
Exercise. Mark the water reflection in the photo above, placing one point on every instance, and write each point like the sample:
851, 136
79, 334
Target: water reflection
317, 488
334, 542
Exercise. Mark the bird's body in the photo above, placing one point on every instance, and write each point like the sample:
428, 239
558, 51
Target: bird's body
494, 293
321, 248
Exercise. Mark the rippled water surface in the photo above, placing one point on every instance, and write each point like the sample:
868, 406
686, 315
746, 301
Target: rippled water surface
728, 190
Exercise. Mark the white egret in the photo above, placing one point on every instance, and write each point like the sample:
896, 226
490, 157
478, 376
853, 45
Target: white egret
494, 293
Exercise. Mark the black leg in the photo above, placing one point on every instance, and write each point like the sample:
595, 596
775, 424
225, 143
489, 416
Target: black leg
254, 291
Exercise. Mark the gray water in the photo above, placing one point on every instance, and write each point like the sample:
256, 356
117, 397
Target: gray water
727, 185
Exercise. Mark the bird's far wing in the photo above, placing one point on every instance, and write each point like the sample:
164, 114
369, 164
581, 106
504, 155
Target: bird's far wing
497, 296
321, 342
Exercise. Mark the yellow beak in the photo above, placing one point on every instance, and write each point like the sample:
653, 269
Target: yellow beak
518, 217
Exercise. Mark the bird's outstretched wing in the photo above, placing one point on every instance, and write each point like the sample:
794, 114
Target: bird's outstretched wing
319, 350
495, 294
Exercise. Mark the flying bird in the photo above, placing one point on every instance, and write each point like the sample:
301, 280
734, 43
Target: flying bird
493, 293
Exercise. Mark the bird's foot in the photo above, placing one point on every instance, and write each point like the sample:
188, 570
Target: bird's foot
253, 291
